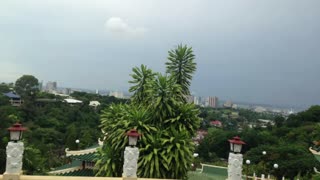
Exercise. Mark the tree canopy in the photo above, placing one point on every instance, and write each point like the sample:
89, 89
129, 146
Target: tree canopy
52, 127
181, 66
27, 85
158, 111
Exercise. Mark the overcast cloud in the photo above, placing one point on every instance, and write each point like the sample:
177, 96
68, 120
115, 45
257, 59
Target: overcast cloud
265, 51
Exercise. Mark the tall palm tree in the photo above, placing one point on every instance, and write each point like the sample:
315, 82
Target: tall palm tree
141, 76
164, 96
181, 66
158, 111
116, 120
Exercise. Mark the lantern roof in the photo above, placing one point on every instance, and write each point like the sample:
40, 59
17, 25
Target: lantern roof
17, 127
133, 132
236, 140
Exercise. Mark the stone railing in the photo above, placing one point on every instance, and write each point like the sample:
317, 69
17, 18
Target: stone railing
25, 177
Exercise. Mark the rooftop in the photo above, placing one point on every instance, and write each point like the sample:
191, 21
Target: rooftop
12, 95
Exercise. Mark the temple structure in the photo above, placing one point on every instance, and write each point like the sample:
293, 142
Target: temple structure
81, 163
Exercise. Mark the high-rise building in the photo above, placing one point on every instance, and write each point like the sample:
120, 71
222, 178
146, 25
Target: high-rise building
193, 99
51, 86
40, 85
116, 94
66, 91
196, 100
212, 102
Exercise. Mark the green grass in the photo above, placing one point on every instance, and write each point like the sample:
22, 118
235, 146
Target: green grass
193, 175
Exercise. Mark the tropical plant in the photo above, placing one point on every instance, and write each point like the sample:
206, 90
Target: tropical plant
164, 96
157, 110
108, 162
181, 66
140, 79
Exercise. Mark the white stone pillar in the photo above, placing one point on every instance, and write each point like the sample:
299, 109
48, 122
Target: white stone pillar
130, 166
235, 166
14, 161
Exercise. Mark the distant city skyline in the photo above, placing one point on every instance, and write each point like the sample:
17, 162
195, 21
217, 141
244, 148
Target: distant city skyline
264, 51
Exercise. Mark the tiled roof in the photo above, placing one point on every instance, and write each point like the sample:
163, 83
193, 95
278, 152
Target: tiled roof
91, 149
80, 172
12, 95
85, 157
74, 163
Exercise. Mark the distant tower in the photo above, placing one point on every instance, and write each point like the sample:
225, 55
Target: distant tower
212, 102
40, 85
116, 94
97, 91
51, 86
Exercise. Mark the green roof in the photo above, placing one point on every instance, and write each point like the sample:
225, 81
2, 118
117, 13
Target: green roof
74, 163
80, 172
85, 157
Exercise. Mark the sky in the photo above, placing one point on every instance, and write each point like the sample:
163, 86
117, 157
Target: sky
261, 51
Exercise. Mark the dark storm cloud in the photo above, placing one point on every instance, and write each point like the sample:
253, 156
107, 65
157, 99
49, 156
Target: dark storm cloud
257, 51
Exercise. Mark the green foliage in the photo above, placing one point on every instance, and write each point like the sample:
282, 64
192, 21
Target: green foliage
279, 121
181, 66
4, 88
286, 143
107, 163
316, 177
292, 160
159, 112
140, 77
33, 160
27, 86
4, 100
310, 115
52, 125
214, 145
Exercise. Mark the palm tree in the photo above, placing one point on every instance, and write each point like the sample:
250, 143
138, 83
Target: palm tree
163, 96
158, 111
185, 119
181, 66
116, 120
140, 79
107, 162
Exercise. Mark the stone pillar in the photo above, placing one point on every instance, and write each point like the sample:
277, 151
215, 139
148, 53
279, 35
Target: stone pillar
235, 166
130, 166
14, 161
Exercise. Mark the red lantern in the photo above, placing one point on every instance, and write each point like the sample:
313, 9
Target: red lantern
236, 144
133, 137
16, 132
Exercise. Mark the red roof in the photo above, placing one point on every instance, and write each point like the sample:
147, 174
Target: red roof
236, 140
216, 122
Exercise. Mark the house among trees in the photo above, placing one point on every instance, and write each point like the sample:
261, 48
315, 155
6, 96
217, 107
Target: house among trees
14, 98
72, 101
199, 136
216, 123
94, 104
